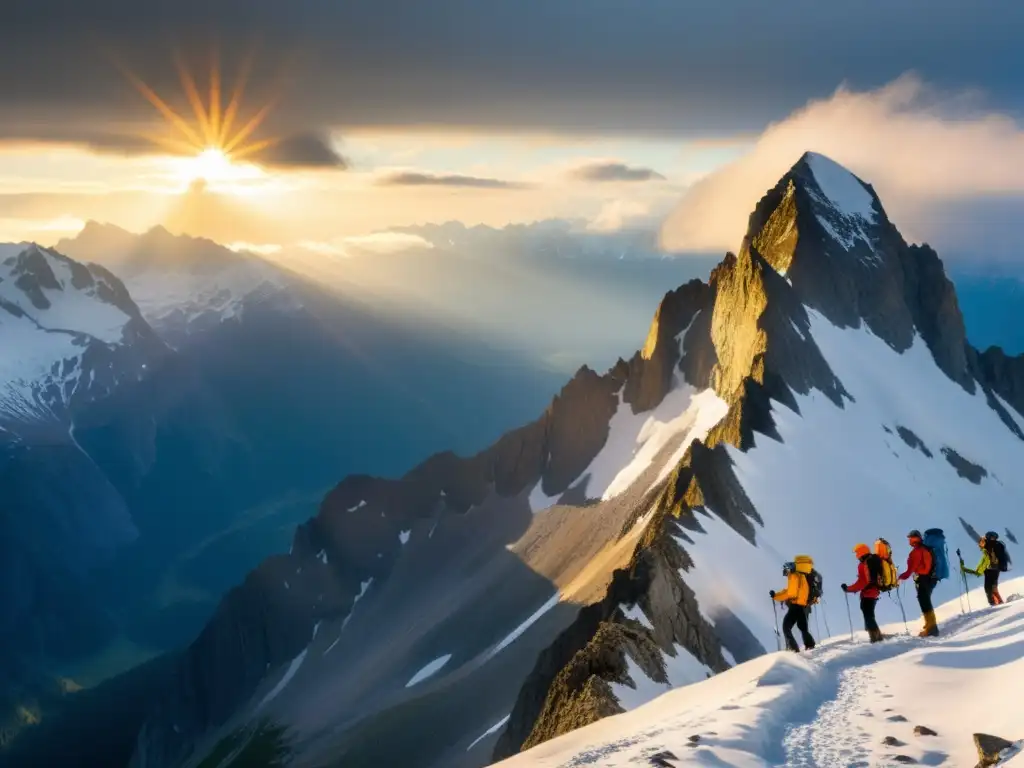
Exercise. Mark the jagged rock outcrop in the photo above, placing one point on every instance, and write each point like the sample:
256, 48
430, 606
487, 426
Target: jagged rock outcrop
569, 686
993, 749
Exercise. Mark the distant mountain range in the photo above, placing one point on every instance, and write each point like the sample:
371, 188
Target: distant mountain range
152, 451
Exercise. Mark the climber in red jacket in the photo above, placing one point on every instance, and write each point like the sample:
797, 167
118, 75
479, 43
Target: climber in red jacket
868, 589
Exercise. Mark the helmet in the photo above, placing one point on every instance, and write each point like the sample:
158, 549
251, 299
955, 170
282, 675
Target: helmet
861, 549
914, 534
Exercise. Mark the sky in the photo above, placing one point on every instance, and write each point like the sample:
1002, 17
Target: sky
360, 116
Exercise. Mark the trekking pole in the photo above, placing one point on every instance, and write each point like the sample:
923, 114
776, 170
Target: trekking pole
817, 623
899, 600
959, 589
849, 615
963, 575
778, 637
828, 631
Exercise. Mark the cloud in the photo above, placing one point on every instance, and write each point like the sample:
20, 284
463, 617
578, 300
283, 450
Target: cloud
614, 171
307, 150
375, 243
386, 242
620, 214
418, 179
921, 149
452, 63
261, 249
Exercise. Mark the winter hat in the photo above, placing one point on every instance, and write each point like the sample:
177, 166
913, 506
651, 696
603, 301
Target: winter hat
861, 549
914, 534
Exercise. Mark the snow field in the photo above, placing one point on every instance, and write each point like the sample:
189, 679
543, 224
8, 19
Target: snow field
830, 707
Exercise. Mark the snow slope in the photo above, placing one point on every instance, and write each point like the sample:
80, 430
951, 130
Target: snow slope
831, 707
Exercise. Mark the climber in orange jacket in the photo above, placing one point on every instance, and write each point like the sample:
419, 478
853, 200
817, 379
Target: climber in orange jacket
868, 588
797, 596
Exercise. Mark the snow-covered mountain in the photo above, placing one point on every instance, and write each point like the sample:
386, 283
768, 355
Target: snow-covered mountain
948, 701
818, 390
70, 334
183, 285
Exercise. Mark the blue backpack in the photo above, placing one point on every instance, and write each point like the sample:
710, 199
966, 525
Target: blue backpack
935, 540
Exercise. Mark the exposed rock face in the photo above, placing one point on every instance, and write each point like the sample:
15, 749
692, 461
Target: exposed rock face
1003, 373
569, 686
913, 440
966, 469
651, 370
991, 749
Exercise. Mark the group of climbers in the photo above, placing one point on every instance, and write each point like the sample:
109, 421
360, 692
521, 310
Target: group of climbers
927, 565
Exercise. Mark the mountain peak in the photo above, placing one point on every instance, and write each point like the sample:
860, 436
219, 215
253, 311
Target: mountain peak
838, 187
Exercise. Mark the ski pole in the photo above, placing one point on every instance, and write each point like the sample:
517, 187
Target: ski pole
778, 637
963, 575
849, 615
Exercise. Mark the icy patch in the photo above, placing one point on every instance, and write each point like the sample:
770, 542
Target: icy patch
846, 193
516, 633
636, 614
322, 556
360, 505
403, 536
489, 732
429, 670
293, 667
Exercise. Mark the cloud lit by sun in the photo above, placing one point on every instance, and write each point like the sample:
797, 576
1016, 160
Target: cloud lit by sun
216, 145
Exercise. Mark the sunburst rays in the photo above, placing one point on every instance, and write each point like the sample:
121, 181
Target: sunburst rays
212, 125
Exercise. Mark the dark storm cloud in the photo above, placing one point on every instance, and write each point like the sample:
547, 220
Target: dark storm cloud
303, 151
412, 179
614, 172
651, 66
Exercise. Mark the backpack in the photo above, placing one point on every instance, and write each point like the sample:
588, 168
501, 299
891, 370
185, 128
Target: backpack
999, 556
814, 587
874, 566
887, 573
935, 542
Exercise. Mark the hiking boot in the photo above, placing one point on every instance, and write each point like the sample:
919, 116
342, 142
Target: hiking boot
876, 635
931, 627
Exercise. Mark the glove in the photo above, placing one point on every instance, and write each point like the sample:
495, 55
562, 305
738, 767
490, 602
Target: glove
772, 593
844, 588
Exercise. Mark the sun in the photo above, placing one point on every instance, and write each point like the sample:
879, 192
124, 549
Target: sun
218, 145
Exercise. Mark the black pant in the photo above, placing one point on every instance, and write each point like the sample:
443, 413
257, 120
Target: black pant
925, 586
797, 614
991, 585
867, 607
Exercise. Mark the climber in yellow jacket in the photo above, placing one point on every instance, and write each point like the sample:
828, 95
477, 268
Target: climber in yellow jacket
798, 596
